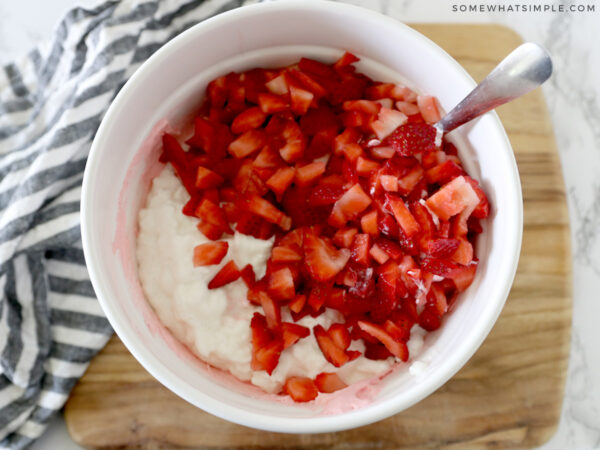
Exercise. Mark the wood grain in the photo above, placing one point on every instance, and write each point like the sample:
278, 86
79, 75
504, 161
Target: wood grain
508, 395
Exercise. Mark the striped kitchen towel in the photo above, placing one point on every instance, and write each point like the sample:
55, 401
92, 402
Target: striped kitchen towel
51, 104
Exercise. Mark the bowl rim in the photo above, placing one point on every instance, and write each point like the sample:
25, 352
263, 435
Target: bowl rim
323, 423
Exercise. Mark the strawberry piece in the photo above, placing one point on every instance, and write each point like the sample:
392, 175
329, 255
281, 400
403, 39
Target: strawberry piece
429, 319
388, 226
346, 59
308, 82
174, 153
301, 99
402, 215
272, 311
350, 205
365, 167
278, 85
392, 248
228, 273
207, 179
301, 389
444, 173
339, 335
396, 348
327, 191
379, 254
265, 209
428, 108
253, 225
247, 143
409, 181
271, 103
297, 303
368, 107
309, 173
212, 214
247, 274
360, 249
369, 223
318, 295
295, 142
297, 203
211, 136
453, 198
463, 276
344, 237
332, 353
329, 382
267, 158
411, 139
407, 108
376, 351
281, 180
292, 333
389, 183
322, 260
211, 231
281, 284
210, 253
285, 253
248, 120
482, 210
442, 248
387, 121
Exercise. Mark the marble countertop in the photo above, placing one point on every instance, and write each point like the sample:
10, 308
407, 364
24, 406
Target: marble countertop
573, 97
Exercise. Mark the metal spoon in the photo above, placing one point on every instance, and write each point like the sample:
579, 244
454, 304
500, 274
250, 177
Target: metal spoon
524, 69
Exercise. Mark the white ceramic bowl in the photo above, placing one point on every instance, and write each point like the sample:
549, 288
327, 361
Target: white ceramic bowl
171, 82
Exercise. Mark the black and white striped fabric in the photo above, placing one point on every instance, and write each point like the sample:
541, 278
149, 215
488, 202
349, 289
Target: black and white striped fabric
51, 104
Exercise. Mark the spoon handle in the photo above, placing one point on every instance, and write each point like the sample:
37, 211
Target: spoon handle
524, 69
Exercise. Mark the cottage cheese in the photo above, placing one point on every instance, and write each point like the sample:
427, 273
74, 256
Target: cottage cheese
215, 324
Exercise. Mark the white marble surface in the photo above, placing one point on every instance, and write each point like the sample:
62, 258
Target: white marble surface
573, 97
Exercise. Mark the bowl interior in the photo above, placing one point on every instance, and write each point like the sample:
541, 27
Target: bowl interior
170, 85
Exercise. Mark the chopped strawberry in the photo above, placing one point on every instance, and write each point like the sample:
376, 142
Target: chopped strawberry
286, 253
327, 191
444, 172
344, 237
266, 210
365, 167
301, 389
281, 284
322, 260
332, 353
247, 143
387, 121
403, 216
211, 213
379, 254
318, 296
369, 223
292, 333
407, 108
360, 249
309, 173
409, 181
206, 178
253, 225
295, 142
443, 248
301, 99
271, 103
272, 310
281, 180
211, 231
339, 335
453, 198
428, 108
482, 210
412, 138
389, 183
345, 60
248, 120
349, 206
329, 382
210, 253
278, 85
396, 348
228, 273
297, 303
247, 274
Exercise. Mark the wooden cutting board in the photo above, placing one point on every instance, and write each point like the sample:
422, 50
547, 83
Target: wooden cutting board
509, 395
